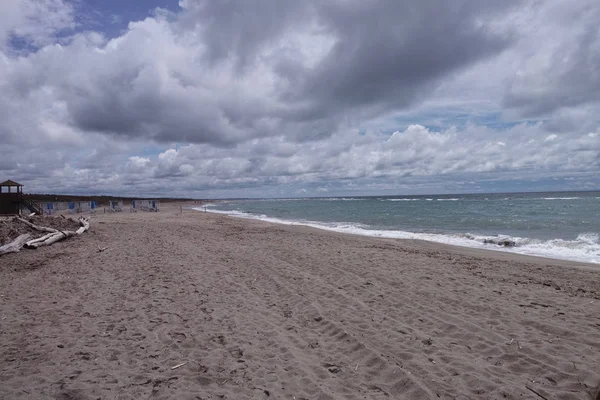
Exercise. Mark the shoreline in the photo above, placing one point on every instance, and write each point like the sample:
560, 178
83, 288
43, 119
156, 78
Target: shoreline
198, 304
502, 253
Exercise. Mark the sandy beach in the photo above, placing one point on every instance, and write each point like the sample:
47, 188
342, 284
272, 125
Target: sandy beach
203, 306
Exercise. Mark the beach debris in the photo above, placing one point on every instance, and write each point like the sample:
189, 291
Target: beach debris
36, 227
533, 303
333, 368
356, 368
502, 242
101, 249
537, 393
180, 365
15, 245
54, 235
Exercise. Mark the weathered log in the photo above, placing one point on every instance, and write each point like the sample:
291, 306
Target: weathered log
15, 245
57, 235
40, 239
85, 225
79, 220
49, 239
36, 227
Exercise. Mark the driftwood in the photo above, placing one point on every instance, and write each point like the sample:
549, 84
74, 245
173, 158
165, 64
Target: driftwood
54, 235
48, 239
180, 365
41, 239
37, 228
85, 225
15, 245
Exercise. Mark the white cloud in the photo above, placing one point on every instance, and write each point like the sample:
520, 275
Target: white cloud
136, 165
204, 105
34, 21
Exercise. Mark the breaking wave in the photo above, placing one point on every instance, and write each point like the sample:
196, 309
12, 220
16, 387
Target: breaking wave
585, 248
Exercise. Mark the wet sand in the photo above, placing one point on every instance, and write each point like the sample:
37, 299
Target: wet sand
202, 306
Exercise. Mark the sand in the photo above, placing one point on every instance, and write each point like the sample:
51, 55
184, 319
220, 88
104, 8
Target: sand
202, 306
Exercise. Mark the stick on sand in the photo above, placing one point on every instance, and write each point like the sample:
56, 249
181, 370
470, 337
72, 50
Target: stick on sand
179, 365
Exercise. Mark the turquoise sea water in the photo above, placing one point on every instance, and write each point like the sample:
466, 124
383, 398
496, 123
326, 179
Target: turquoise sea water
562, 225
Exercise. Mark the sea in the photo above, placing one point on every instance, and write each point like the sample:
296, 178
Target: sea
559, 225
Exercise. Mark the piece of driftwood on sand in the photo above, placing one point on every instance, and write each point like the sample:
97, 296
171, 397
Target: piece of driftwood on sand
15, 245
36, 227
54, 235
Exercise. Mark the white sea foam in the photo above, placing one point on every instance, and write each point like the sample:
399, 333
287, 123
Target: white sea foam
561, 198
420, 199
286, 199
589, 238
585, 248
402, 199
338, 199
312, 199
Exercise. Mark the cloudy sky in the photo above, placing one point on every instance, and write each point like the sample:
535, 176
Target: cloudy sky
279, 98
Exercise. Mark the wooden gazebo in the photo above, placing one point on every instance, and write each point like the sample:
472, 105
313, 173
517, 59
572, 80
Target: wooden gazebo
11, 196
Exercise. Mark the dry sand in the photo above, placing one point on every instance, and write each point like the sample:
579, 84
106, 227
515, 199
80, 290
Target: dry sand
203, 306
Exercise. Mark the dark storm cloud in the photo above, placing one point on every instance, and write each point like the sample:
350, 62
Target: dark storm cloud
241, 28
389, 52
